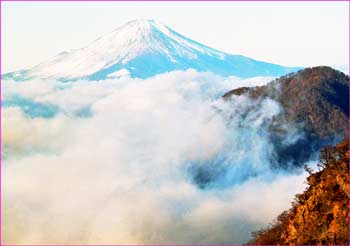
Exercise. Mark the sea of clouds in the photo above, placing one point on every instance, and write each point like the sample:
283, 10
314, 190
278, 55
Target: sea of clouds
160, 160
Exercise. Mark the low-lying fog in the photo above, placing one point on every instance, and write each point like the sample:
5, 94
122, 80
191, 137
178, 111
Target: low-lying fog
161, 160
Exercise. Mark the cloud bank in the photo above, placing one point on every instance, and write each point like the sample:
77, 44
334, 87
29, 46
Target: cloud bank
161, 160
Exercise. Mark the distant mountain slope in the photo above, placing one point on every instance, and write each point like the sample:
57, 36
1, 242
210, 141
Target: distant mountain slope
144, 48
320, 215
315, 100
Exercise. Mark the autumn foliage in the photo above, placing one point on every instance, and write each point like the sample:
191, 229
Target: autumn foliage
319, 215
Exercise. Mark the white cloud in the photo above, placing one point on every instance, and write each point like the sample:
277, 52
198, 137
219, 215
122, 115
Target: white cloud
120, 175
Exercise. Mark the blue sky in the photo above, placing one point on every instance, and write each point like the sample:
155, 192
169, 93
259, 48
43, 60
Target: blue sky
287, 33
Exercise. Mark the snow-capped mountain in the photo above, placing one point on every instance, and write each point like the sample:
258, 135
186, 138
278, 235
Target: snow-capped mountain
143, 48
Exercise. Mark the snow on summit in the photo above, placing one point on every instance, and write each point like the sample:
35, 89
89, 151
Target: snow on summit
144, 48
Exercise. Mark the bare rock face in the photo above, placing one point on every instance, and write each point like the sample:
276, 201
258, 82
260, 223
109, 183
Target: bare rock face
318, 216
315, 101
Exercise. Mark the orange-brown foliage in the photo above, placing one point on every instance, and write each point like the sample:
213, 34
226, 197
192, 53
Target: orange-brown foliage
320, 214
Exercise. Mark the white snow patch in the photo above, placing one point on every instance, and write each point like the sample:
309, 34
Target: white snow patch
120, 73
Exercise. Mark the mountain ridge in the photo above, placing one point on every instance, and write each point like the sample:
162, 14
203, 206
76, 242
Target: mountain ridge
314, 101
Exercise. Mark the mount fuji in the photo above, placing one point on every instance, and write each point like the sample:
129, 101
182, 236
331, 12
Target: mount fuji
142, 49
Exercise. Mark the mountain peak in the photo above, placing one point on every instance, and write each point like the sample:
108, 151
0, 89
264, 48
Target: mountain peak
142, 27
143, 23
145, 48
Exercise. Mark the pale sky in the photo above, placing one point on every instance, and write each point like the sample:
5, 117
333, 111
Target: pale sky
286, 33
